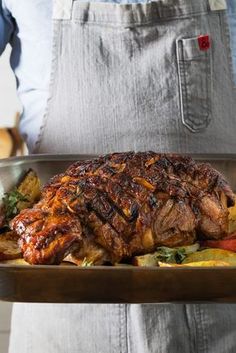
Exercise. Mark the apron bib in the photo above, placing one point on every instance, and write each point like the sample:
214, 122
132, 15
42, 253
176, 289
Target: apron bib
138, 77
135, 77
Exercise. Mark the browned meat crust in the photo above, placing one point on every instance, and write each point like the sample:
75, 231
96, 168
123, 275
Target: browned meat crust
124, 204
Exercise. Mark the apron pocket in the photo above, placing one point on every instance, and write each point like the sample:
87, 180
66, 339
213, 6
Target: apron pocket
195, 81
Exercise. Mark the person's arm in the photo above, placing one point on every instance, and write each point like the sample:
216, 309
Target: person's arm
232, 24
6, 26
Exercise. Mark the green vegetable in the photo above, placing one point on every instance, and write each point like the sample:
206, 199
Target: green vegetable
86, 263
189, 249
169, 255
10, 202
166, 255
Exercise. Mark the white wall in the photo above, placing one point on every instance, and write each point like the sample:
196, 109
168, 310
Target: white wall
9, 103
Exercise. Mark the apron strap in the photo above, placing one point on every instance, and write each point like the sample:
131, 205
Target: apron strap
62, 9
217, 5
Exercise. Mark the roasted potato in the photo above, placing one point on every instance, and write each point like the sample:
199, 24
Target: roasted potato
30, 188
24, 195
15, 262
9, 248
211, 263
145, 260
212, 255
165, 254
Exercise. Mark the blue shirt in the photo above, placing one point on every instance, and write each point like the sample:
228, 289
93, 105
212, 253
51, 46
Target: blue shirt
232, 25
27, 26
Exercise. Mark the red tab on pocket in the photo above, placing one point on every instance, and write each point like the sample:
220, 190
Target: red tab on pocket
204, 42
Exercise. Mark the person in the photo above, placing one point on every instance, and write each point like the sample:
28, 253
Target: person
232, 22
122, 77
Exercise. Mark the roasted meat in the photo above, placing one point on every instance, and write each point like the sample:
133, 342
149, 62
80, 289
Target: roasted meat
124, 204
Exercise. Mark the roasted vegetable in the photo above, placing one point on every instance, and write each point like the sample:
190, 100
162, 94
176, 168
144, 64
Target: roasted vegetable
212, 255
29, 187
10, 204
15, 262
24, 195
86, 263
211, 263
226, 244
145, 260
9, 248
164, 254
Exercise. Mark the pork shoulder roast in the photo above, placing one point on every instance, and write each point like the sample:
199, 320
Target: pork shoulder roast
124, 204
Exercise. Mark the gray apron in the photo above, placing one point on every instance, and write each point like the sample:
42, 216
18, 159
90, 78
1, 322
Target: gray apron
135, 77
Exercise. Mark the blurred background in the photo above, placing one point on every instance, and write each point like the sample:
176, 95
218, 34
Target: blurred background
10, 108
10, 144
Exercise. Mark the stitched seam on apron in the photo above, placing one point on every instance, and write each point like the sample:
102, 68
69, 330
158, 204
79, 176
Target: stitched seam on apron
184, 100
185, 94
206, 123
151, 9
225, 33
138, 23
52, 76
126, 328
201, 325
190, 329
123, 339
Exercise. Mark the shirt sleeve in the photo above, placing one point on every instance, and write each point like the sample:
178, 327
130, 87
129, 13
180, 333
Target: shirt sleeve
6, 26
232, 25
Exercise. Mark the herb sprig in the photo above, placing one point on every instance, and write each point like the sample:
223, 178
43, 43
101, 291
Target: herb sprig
10, 202
86, 263
169, 255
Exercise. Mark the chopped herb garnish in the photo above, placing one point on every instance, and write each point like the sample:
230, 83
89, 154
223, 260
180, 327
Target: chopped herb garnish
170, 255
86, 263
10, 202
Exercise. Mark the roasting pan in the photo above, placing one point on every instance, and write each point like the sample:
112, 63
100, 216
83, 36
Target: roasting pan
69, 284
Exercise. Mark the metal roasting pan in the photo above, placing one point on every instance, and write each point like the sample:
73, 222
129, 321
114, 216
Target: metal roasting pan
69, 284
